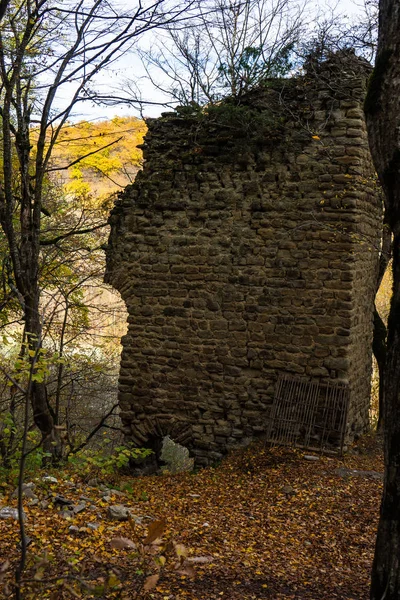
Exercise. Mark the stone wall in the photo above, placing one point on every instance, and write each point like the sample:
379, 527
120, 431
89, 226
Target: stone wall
247, 247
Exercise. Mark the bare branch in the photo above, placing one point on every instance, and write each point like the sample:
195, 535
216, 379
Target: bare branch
74, 162
64, 236
95, 430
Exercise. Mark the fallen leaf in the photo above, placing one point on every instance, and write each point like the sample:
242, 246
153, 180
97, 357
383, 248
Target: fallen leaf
200, 559
156, 529
151, 582
188, 570
121, 543
181, 550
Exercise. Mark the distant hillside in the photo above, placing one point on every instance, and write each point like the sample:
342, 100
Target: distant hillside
111, 157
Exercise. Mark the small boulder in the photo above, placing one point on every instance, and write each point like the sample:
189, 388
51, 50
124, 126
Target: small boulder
344, 472
62, 501
85, 499
27, 491
73, 529
49, 479
67, 512
79, 507
138, 520
10, 513
118, 512
114, 492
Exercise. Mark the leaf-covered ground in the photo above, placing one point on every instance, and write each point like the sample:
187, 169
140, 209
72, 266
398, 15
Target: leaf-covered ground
266, 523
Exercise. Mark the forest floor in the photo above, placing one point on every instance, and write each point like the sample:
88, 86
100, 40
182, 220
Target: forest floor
264, 524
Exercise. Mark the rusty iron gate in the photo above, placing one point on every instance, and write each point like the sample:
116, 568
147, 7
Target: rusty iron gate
309, 414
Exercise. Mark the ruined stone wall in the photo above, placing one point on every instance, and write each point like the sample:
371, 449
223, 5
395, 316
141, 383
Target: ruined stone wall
247, 247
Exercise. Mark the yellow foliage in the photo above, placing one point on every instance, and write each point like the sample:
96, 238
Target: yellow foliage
103, 156
385, 293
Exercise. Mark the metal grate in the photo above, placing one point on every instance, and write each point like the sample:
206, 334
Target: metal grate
309, 414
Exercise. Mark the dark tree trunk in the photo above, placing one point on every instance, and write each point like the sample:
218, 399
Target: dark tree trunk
42, 413
25, 255
385, 583
3, 8
382, 109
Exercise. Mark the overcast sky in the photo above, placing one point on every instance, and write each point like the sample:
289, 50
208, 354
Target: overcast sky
129, 67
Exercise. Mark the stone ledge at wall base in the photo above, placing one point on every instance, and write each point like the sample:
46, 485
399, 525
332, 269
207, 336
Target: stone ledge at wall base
244, 253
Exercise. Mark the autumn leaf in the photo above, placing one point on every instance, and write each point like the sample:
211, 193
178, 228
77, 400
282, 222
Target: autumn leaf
151, 582
156, 529
39, 574
188, 570
181, 550
113, 580
154, 548
121, 543
200, 559
160, 560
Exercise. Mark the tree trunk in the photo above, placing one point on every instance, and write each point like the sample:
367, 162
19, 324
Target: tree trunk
42, 413
382, 107
385, 584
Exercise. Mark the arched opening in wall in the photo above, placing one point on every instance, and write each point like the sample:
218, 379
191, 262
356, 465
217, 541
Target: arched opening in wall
176, 458
167, 456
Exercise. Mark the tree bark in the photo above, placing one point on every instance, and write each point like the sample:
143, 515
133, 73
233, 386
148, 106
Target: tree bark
41, 410
382, 107
385, 583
